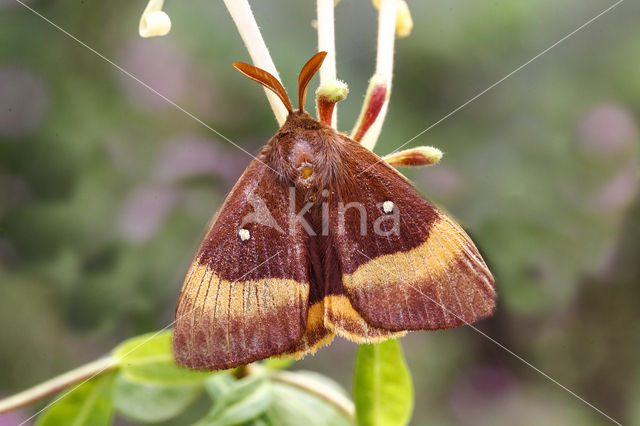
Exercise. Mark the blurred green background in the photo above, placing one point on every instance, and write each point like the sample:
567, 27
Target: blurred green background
106, 189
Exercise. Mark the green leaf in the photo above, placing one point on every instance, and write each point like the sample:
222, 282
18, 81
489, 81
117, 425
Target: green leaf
293, 405
149, 402
219, 385
90, 404
319, 382
149, 358
143, 346
266, 419
239, 401
275, 364
382, 385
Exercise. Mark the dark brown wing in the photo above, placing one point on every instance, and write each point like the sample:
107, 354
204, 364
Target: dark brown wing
245, 296
412, 267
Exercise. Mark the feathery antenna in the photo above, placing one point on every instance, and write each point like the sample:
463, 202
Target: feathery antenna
266, 79
307, 73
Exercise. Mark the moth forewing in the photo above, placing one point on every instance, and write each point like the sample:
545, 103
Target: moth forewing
245, 296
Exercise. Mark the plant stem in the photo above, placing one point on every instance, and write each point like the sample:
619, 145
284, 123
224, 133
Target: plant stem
384, 63
327, 43
88, 371
336, 399
58, 383
243, 17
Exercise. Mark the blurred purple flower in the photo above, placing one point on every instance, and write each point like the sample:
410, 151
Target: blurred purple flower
618, 192
440, 180
14, 418
607, 129
22, 101
190, 156
480, 389
144, 212
158, 64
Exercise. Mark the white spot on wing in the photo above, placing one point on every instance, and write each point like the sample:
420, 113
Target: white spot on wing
388, 206
244, 234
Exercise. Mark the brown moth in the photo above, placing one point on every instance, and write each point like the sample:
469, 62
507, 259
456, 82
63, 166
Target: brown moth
321, 237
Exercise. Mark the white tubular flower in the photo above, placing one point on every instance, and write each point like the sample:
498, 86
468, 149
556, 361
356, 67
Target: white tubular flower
154, 21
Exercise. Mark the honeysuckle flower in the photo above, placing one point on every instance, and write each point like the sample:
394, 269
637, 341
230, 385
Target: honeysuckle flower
154, 21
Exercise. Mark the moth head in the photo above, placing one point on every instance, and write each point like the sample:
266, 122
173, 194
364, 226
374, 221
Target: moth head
272, 83
297, 159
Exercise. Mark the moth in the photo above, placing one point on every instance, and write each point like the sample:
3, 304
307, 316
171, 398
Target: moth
320, 237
